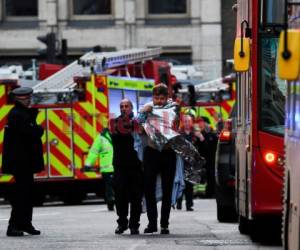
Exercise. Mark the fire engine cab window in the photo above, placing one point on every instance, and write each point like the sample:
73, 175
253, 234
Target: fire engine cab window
21, 8
273, 90
115, 97
167, 6
144, 97
91, 7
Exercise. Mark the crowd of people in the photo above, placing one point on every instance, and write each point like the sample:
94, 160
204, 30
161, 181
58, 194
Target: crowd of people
130, 171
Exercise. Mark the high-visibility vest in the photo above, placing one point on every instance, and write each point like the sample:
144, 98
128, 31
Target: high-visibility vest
102, 148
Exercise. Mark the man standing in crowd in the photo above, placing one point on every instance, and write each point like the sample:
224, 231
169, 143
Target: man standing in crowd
187, 131
128, 179
158, 162
208, 148
22, 157
102, 148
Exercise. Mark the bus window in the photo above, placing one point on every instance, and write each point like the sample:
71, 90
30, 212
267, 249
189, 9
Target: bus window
297, 109
248, 98
290, 108
239, 98
273, 90
132, 96
272, 12
115, 96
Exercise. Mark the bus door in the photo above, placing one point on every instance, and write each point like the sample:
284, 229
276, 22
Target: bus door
243, 144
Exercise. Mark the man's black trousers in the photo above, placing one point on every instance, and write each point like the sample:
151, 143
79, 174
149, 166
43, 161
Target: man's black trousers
22, 201
128, 185
189, 195
163, 163
108, 188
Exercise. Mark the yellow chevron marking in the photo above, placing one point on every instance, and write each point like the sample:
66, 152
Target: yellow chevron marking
102, 98
6, 178
61, 146
2, 90
82, 144
83, 123
64, 127
60, 167
4, 111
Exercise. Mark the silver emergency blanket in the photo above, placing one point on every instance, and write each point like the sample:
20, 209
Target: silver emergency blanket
159, 126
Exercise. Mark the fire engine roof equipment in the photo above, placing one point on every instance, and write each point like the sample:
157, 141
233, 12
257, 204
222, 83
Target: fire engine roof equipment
63, 82
210, 86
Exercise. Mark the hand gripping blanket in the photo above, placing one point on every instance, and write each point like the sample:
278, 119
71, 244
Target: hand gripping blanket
159, 126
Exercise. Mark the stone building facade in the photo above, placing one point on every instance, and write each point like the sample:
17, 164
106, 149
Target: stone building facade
188, 31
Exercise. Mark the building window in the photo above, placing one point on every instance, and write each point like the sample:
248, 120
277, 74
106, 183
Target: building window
91, 7
167, 7
17, 8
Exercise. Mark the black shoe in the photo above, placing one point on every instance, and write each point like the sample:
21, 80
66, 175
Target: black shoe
150, 229
120, 229
164, 230
189, 209
31, 230
134, 231
14, 232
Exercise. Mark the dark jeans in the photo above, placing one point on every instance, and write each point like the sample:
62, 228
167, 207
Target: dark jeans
164, 163
22, 201
128, 185
189, 194
108, 188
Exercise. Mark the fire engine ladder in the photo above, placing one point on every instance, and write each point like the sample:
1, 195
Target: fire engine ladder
107, 60
62, 81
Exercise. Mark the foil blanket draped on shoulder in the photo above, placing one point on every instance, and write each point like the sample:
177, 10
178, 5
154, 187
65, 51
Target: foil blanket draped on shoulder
159, 127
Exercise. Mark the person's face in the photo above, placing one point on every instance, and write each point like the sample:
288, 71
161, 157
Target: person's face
160, 100
125, 108
202, 125
24, 100
187, 122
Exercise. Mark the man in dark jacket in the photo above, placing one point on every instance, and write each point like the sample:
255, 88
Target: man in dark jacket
22, 157
208, 149
128, 170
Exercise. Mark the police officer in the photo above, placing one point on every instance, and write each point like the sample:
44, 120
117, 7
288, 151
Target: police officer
128, 170
22, 157
102, 148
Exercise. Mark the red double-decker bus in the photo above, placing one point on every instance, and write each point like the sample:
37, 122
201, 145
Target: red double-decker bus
289, 69
260, 118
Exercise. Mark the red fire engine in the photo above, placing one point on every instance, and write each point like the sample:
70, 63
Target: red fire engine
75, 104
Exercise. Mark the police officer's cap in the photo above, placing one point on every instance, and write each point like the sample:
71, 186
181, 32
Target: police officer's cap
22, 91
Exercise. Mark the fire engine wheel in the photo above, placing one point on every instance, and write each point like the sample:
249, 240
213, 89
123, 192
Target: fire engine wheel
244, 225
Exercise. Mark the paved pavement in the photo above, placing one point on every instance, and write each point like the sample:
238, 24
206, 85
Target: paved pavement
91, 226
